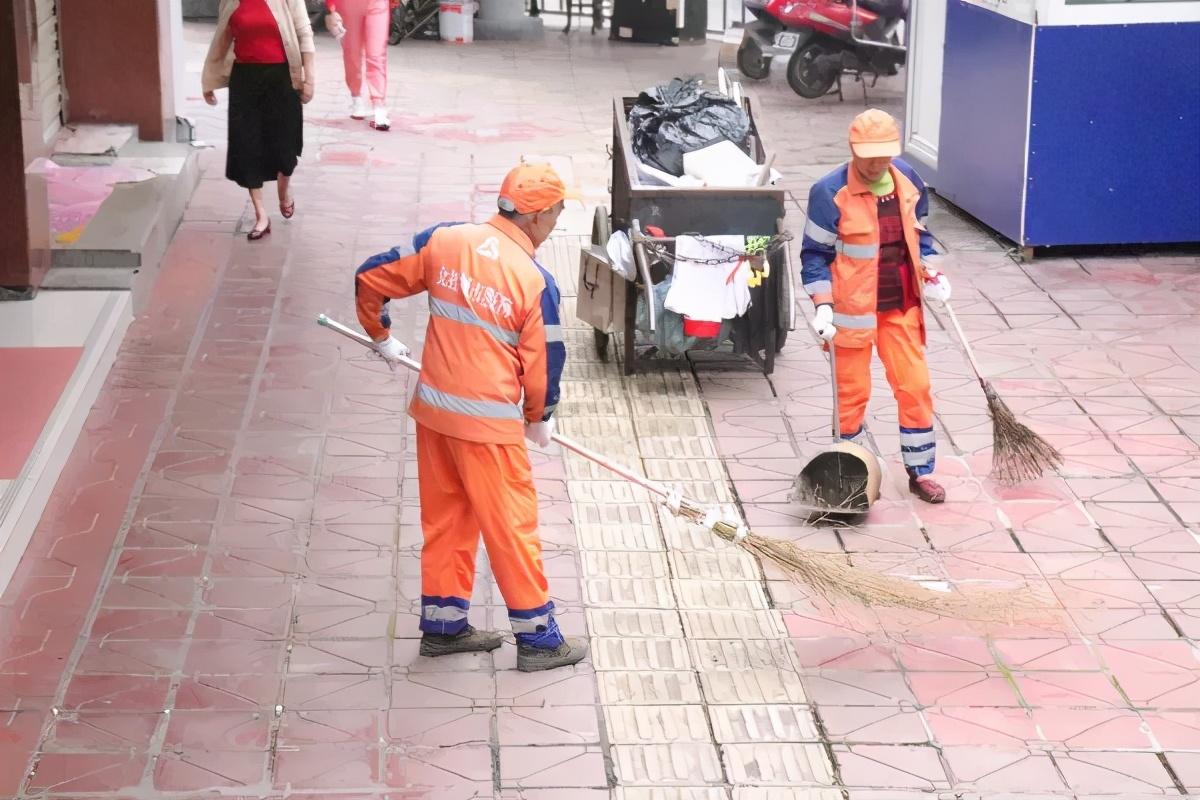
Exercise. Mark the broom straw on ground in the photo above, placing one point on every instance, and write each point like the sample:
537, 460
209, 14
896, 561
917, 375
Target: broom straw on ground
829, 574
1018, 454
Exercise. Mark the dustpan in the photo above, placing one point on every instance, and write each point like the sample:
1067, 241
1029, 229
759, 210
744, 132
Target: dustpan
845, 477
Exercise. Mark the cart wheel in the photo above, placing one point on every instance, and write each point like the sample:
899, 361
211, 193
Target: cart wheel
601, 339
601, 227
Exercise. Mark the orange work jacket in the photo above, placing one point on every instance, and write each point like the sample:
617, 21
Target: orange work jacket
494, 351
840, 252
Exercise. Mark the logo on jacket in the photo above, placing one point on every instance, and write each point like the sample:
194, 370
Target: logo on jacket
475, 293
489, 249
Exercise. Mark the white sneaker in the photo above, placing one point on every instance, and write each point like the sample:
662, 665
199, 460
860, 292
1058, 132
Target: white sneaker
381, 121
359, 108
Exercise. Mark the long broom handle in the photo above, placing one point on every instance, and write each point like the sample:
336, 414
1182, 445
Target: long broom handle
654, 487
962, 337
837, 414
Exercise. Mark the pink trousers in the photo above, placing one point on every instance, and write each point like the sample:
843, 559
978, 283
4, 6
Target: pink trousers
366, 39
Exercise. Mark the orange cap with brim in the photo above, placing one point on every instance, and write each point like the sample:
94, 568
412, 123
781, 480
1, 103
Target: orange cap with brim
875, 134
529, 188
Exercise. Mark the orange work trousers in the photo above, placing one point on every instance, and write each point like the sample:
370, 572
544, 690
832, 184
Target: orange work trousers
898, 339
472, 487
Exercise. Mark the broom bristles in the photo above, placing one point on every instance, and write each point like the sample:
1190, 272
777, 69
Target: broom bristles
1018, 454
832, 576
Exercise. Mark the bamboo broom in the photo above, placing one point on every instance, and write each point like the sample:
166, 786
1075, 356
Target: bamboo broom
1018, 454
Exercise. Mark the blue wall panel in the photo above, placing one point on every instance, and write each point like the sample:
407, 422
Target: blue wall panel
1115, 144
985, 90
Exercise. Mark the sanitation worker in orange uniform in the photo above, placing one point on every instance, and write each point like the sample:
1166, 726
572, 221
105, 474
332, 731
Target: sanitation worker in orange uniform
865, 264
489, 380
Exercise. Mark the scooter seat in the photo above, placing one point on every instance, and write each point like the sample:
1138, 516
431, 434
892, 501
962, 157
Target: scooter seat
889, 9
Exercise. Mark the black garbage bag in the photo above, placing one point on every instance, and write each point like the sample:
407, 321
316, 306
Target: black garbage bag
679, 117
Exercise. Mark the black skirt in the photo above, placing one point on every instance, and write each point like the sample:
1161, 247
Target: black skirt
266, 124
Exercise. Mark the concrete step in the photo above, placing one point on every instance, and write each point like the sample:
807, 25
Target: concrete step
142, 192
87, 145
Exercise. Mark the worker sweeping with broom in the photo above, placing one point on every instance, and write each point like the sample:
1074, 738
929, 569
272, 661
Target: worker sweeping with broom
490, 379
864, 266
493, 357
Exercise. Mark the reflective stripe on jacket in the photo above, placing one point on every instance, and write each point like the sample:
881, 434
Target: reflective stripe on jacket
494, 352
840, 252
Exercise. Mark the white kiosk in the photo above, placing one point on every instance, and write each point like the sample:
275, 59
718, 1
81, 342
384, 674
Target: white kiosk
1060, 122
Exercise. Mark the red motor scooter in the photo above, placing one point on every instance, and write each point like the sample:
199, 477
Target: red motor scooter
823, 39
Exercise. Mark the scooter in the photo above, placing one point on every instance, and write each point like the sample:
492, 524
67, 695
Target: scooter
823, 39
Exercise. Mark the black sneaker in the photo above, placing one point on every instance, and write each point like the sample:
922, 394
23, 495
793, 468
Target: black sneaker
534, 659
468, 640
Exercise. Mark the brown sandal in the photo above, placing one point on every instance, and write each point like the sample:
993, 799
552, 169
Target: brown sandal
255, 235
927, 489
288, 210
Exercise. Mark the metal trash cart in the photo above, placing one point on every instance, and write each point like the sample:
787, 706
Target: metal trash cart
702, 211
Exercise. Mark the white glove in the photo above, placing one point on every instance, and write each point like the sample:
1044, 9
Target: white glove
674, 500
391, 350
823, 322
937, 287
540, 432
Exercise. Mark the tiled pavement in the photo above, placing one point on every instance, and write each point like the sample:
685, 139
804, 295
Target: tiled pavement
220, 599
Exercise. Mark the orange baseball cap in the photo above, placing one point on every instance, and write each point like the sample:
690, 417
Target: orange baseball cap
875, 134
531, 187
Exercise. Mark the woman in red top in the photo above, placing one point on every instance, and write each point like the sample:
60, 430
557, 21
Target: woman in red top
271, 46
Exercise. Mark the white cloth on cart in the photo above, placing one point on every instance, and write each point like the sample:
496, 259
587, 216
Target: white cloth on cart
620, 255
709, 292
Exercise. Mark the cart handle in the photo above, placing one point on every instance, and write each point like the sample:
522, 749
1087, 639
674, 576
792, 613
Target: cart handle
790, 278
643, 263
639, 237
836, 428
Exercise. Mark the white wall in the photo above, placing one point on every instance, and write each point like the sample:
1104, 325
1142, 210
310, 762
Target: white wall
923, 107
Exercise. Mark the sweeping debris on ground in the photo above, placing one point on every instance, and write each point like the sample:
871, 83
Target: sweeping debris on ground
832, 576
829, 574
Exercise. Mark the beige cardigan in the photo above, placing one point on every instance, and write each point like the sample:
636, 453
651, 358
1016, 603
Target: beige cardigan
292, 18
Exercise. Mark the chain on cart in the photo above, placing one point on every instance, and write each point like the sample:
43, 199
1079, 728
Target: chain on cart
758, 248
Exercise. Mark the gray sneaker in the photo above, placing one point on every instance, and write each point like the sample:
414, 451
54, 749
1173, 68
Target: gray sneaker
534, 659
468, 640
